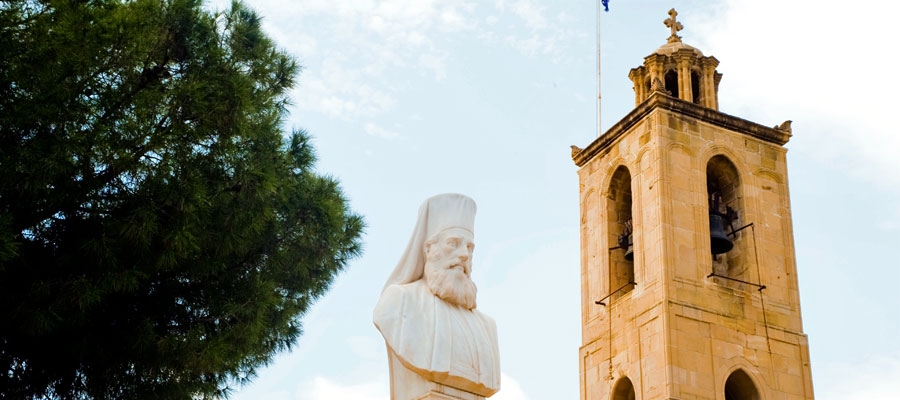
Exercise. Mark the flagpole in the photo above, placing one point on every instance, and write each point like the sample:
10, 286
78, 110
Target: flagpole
599, 129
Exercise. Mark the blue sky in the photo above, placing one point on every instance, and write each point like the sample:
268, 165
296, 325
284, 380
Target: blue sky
410, 98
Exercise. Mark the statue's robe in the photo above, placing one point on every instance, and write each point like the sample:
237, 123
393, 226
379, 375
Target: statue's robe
437, 340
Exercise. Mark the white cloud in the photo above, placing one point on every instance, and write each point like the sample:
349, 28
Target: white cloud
543, 37
825, 60
322, 388
891, 221
453, 20
370, 40
365, 347
337, 90
373, 130
435, 62
347, 47
350, 50
306, 45
867, 380
532, 46
531, 13
509, 389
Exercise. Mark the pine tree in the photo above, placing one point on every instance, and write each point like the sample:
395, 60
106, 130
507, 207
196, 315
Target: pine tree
160, 236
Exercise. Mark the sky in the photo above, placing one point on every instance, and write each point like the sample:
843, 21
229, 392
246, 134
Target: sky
406, 99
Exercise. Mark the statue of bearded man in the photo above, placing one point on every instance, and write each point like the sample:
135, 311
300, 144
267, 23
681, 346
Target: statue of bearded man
435, 337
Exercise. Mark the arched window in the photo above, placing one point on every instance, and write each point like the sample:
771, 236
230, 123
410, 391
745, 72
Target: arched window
624, 390
695, 87
620, 228
648, 85
726, 209
739, 386
672, 82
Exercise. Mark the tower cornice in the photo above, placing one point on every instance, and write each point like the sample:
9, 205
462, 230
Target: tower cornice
659, 100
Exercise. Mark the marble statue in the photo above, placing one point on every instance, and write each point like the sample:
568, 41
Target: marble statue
438, 344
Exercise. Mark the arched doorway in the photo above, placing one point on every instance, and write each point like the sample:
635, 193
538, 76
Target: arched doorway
623, 390
739, 386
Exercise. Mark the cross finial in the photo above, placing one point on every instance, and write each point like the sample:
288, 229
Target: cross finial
674, 26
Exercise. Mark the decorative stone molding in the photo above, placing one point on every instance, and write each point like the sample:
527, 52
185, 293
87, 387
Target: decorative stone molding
785, 126
658, 101
576, 150
658, 86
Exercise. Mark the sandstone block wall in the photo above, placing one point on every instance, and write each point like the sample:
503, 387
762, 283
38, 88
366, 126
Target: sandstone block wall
679, 333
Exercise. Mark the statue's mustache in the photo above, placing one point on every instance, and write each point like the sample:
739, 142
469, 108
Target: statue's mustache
455, 264
450, 281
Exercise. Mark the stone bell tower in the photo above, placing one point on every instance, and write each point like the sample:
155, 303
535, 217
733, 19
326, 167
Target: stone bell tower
689, 280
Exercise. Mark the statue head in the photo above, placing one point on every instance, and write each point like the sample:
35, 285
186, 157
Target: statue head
440, 249
448, 266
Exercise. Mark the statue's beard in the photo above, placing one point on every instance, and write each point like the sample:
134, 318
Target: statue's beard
450, 284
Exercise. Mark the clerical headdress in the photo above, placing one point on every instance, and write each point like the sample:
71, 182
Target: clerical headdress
436, 214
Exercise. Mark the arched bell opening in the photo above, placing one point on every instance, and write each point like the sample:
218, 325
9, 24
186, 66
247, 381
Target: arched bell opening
726, 208
671, 81
620, 228
695, 87
624, 390
739, 386
648, 87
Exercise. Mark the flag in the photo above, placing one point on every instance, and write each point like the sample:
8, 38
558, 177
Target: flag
605, 5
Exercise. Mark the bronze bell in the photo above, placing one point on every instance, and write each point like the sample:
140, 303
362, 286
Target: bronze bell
629, 248
626, 241
717, 239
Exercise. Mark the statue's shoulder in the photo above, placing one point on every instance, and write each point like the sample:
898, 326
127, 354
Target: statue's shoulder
486, 320
397, 299
401, 291
401, 313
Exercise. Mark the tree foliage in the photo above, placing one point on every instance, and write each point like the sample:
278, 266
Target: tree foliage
159, 235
